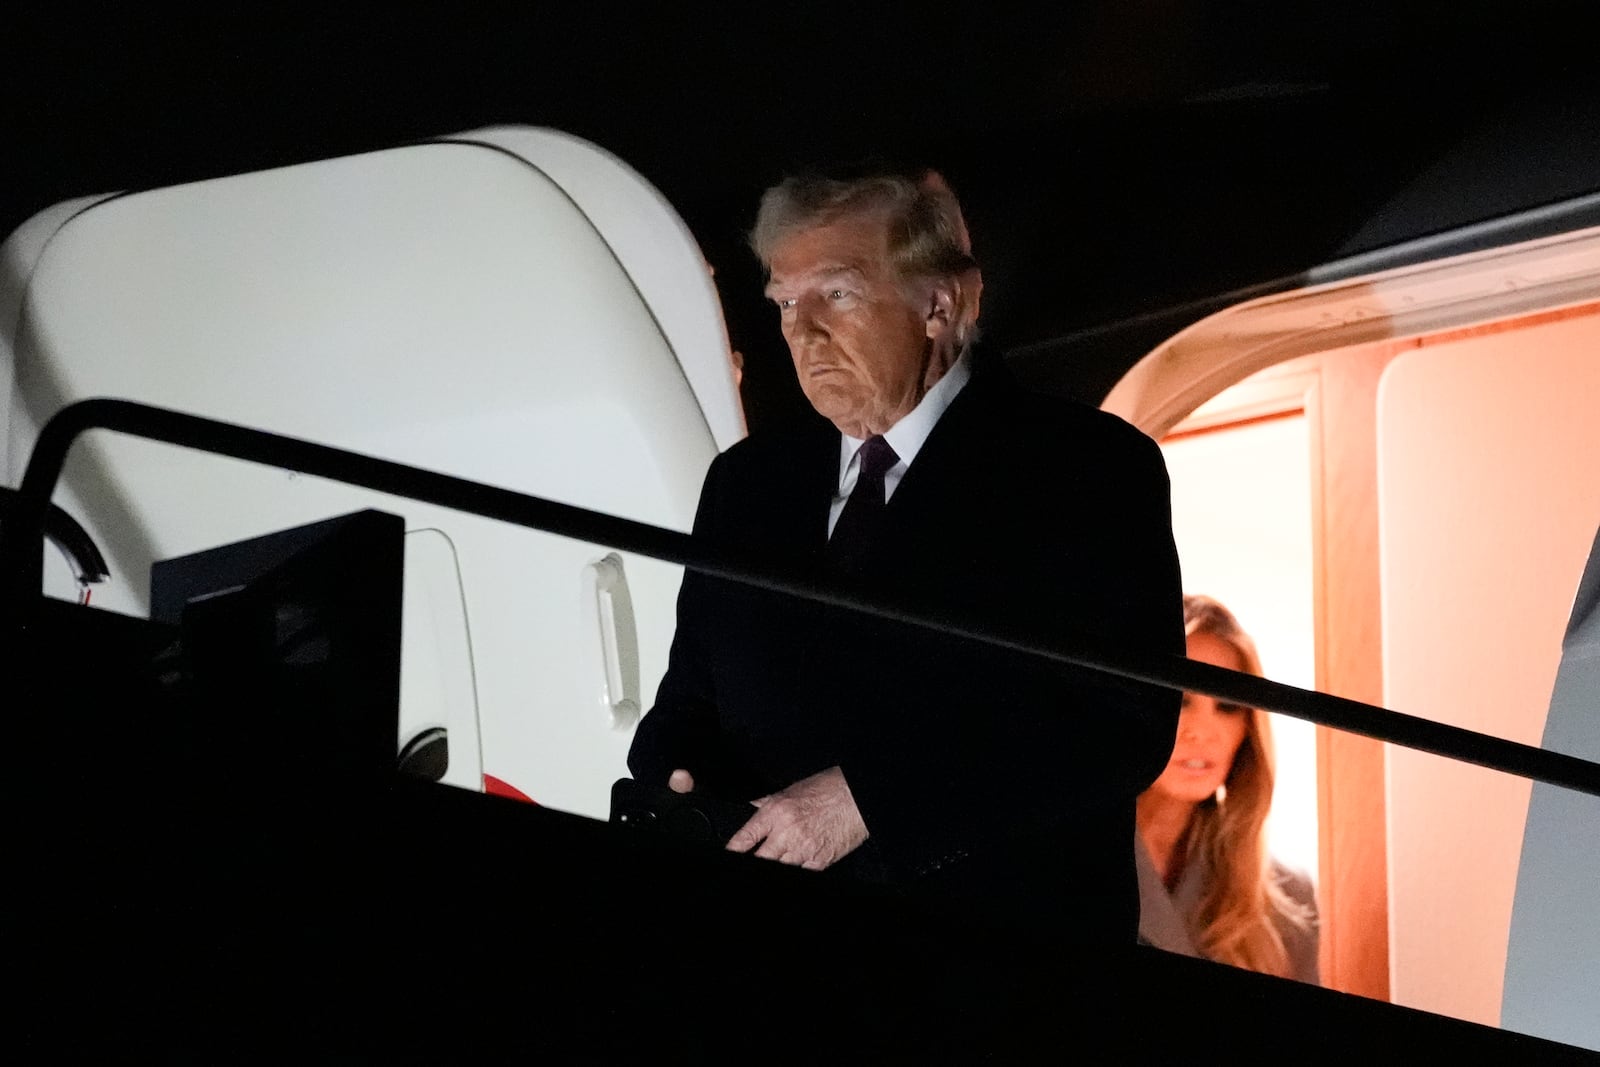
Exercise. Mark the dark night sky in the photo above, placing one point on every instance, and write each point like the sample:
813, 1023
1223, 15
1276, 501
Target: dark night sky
1118, 157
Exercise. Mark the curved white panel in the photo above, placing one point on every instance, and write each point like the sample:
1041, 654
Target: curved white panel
445, 305
1552, 984
1206, 357
19, 254
655, 248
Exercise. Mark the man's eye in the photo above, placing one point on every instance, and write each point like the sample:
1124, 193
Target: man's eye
835, 294
785, 305
1229, 708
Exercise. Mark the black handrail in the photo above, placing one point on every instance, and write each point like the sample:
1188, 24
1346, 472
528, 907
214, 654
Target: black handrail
21, 578
69, 536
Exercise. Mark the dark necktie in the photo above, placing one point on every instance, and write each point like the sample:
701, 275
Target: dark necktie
863, 512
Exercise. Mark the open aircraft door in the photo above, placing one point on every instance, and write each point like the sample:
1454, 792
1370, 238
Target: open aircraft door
512, 305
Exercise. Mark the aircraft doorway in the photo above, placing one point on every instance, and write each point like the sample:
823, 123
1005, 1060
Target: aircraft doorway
1445, 434
1241, 515
1274, 499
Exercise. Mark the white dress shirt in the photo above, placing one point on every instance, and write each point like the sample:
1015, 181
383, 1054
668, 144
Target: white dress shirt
906, 437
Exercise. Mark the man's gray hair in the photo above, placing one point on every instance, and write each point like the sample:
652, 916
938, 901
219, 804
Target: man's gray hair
927, 235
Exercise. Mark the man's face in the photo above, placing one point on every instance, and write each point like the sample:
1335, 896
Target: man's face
860, 344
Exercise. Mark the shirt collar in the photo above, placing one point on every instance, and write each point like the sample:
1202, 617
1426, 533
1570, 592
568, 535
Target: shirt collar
908, 435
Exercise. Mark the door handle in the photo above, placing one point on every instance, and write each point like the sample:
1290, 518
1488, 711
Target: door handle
619, 639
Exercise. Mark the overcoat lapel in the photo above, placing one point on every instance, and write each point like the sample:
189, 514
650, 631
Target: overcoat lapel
794, 523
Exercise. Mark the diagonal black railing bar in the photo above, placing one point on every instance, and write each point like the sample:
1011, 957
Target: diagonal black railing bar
21, 551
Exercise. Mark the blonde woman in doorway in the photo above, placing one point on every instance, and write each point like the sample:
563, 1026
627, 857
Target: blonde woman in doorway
1207, 885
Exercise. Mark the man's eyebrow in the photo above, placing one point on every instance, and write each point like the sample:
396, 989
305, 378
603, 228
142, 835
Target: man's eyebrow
821, 274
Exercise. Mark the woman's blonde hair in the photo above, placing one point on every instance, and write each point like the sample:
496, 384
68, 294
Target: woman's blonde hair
1235, 920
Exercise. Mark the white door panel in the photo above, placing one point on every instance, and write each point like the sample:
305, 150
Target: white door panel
445, 305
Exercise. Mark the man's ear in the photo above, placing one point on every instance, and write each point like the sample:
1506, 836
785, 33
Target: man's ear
943, 298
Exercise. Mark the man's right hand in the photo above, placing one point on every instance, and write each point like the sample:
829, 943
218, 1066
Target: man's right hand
681, 781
